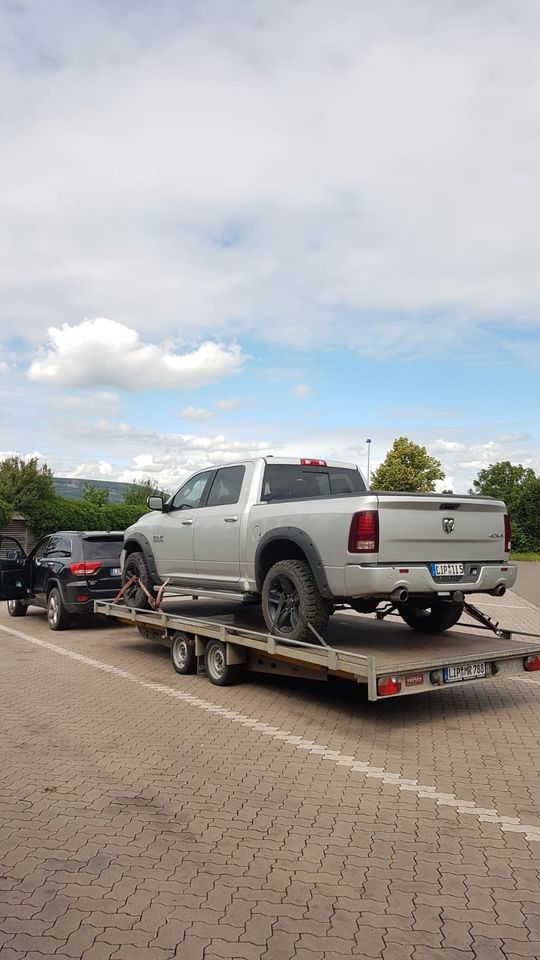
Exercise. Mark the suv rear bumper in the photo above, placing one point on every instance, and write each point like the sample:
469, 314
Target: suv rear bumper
381, 581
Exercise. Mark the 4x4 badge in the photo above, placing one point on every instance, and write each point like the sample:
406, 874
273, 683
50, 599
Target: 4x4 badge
448, 524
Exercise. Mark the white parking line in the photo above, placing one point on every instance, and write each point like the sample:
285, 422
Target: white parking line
355, 765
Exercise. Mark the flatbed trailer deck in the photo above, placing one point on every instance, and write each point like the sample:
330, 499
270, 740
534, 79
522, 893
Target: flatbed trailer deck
220, 638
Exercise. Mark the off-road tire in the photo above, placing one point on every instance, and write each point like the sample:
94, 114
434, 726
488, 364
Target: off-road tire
431, 616
183, 656
218, 670
57, 616
136, 565
16, 608
311, 607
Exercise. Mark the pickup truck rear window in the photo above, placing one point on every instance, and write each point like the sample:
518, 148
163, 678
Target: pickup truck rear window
289, 481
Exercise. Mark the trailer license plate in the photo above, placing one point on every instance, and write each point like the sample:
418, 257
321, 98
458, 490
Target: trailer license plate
447, 569
465, 671
115, 571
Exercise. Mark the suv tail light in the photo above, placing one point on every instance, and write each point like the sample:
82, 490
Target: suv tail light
86, 568
507, 533
364, 532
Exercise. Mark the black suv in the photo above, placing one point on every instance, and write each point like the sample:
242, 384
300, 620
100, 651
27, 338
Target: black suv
64, 573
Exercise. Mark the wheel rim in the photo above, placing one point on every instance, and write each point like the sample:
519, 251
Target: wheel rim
216, 661
180, 653
54, 609
133, 592
284, 603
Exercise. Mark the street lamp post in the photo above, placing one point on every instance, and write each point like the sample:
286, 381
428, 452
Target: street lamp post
368, 441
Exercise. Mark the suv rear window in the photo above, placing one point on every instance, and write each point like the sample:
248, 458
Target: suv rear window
289, 481
107, 549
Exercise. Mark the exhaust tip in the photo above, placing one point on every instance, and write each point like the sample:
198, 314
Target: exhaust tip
498, 591
400, 595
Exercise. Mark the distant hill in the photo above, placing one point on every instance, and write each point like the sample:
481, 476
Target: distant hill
73, 489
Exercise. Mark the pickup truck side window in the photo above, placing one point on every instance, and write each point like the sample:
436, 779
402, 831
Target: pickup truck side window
192, 494
288, 481
226, 486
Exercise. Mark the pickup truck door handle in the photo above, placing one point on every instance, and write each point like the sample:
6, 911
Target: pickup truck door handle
187, 523
230, 519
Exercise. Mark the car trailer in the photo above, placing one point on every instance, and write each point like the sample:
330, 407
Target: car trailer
220, 638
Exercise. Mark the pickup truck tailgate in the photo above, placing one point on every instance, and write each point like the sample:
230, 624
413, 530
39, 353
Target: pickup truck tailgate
426, 527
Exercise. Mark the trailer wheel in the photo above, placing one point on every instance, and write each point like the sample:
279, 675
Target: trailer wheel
435, 615
183, 653
291, 600
135, 596
16, 608
218, 670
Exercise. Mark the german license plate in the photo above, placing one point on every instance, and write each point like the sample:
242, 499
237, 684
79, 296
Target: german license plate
447, 569
464, 671
115, 571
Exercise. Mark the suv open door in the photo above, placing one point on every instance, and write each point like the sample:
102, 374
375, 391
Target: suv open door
13, 570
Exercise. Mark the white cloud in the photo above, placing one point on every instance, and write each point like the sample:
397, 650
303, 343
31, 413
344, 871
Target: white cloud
230, 404
4, 367
301, 390
197, 414
104, 352
89, 403
97, 470
322, 173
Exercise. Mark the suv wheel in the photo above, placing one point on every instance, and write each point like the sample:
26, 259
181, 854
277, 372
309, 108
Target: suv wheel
431, 616
16, 608
136, 566
291, 600
57, 615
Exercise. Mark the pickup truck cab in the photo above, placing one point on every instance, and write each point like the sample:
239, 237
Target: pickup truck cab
303, 536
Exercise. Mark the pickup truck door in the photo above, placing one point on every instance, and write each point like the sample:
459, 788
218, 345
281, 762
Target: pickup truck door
173, 530
13, 570
217, 530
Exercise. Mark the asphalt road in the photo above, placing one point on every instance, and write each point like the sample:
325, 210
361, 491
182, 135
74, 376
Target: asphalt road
148, 815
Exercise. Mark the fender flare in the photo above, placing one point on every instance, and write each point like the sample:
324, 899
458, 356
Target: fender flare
145, 548
308, 548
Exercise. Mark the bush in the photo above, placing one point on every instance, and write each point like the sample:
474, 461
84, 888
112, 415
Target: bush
57, 513
5, 513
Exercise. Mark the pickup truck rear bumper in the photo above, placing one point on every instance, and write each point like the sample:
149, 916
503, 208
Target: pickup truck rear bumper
379, 581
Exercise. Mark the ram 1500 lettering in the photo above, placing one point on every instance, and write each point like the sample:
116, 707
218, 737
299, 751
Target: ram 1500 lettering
305, 535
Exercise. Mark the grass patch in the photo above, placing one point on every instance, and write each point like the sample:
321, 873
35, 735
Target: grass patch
534, 557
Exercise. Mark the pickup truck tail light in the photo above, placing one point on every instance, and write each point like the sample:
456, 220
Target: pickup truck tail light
364, 532
507, 533
86, 569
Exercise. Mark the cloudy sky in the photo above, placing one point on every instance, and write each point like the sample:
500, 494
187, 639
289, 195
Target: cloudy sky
234, 226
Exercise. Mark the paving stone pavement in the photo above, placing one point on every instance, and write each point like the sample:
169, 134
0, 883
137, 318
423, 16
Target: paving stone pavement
136, 825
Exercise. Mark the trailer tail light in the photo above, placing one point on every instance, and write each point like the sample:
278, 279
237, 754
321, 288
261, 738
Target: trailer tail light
532, 663
313, 463
507, 533
386, 686
85, 569
364, 532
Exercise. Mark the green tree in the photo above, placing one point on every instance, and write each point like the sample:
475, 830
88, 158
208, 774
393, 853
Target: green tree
24, 485
97, 496
407, 467
137, 493
504, 481
526, 516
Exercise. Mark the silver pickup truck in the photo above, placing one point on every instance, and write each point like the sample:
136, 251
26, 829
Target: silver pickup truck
302, 536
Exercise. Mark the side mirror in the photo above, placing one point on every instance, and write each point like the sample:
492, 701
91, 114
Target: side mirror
155, 503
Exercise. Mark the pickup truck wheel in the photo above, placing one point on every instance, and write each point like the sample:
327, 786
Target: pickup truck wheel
136, 566
57, 616
183, 653
427, 616
16, 608
291, 600
218, 670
